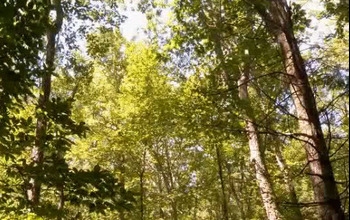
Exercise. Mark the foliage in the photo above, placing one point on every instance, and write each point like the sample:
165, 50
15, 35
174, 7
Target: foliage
156, 129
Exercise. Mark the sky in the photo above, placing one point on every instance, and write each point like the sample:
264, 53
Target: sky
136, 21
133, 27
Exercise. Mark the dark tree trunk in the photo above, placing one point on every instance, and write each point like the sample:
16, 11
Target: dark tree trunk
61, 202
222, 183
233, 191
164, 167
33, 192
142, 185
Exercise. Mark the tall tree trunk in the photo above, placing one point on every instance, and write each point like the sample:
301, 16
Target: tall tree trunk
61, 201
122, 181
233, 192
277, 16
222, 183
171, 181
289, 184
33, 192
256, 158
195, 207
142, 185
167, 175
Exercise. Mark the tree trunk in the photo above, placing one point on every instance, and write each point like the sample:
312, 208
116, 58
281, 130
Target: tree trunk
33, 192
167, 175
60, 202
171, 181
256, 157
233, 192
289, 184
222, 183
142, 185
277, 16
122, 175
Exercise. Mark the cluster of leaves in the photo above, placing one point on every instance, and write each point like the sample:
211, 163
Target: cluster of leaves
340, 10
22, 27
80, 187
23, 24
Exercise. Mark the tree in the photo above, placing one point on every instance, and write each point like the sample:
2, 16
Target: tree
229, 66
277, 16
47, 168
21, 41
44, 98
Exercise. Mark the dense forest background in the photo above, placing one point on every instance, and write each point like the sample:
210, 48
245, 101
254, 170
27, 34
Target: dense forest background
224, 109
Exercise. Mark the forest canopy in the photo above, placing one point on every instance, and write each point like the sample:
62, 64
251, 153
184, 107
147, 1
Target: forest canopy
219, 110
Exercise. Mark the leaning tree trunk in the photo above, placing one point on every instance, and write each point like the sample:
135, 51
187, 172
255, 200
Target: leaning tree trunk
256, 158
33, 192
277, 16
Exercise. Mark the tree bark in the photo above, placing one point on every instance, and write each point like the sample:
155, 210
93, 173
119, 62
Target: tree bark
122, 178
166, 174
222, 183
277, 16
37, 155
142, 185
256, 158
171, 181
61, 202
233, 192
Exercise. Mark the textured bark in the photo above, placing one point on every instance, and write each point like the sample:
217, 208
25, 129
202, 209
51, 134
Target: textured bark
34, 189
289, 184
277, 16
256, 157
